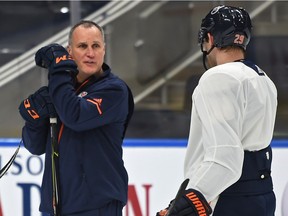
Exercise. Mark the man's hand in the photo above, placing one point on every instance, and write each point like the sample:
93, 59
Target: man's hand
56, 58
37, 106
162, 212
192, 203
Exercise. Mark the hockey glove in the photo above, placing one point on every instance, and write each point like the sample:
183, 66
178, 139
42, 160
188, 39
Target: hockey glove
37, 106
192, 203
56, 58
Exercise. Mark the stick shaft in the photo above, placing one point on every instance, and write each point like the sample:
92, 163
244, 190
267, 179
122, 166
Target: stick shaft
55, 167
9, 163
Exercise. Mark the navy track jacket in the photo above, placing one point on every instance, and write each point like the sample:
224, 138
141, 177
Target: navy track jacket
92, 119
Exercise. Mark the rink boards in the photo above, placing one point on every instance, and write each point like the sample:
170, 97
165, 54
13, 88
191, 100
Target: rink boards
155, 169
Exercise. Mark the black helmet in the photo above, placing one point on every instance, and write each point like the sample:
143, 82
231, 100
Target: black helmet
228, 25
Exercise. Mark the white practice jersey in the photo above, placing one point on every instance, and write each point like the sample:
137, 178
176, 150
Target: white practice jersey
233, 110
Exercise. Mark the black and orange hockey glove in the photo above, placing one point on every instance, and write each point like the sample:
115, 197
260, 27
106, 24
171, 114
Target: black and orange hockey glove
191, 203
56, 58
37, 106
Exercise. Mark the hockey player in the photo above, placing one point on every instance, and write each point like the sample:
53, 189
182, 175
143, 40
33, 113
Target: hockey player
93, 108
228, 159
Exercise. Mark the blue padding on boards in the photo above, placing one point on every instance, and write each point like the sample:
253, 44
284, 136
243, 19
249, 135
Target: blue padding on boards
276, 143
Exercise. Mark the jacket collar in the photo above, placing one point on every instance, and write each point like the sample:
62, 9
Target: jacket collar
95, 78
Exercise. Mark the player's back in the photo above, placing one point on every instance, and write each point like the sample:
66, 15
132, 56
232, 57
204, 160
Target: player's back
257, 98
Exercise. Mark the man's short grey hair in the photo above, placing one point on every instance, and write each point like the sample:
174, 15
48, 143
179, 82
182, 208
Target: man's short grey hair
85, 24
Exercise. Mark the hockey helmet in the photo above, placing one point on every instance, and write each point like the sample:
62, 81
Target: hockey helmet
230, 26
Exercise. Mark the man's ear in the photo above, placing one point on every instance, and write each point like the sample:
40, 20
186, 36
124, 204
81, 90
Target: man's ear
210, 39
69, 50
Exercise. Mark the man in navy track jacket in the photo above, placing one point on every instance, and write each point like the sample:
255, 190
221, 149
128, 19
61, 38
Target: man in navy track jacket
93, 108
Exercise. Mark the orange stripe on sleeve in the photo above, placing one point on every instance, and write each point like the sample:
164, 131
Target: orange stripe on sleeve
97, 105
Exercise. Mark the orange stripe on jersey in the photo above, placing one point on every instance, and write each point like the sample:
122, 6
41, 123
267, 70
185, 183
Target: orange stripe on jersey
60, 132
97, 102
84, 83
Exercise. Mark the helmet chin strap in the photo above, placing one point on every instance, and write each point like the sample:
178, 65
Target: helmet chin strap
205, 53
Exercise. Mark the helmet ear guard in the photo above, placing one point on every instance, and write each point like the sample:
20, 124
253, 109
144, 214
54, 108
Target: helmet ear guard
202, 35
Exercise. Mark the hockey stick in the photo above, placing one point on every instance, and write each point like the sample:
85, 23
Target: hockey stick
178, 195
10, 162
55, 167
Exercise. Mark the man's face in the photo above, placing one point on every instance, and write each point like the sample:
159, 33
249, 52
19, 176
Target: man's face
87, 48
